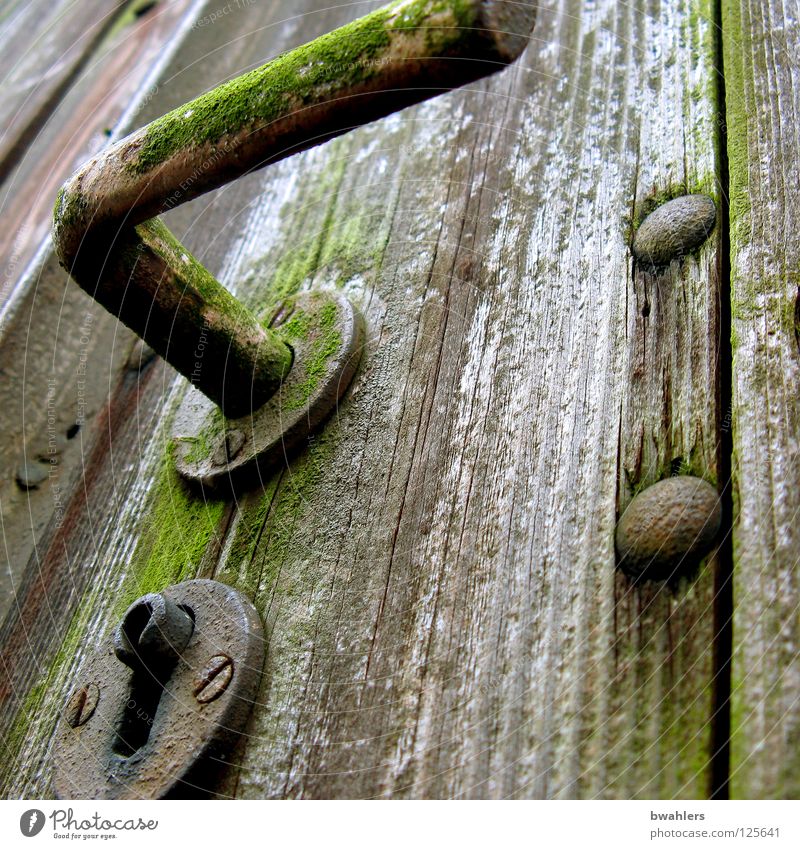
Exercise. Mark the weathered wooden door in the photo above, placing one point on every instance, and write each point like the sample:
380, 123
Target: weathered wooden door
436, 570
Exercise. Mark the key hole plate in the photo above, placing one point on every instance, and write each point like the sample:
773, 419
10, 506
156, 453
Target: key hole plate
163, 744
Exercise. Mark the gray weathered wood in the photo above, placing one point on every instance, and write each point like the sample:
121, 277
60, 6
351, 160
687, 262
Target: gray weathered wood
436, 572
93, 95
762, 70
55, 375
44, 45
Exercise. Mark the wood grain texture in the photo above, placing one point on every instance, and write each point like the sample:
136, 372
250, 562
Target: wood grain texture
44, 46
762, 69
91, 105
57, 365
436, 571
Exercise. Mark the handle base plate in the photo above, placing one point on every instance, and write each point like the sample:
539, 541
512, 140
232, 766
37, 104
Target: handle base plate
326, 335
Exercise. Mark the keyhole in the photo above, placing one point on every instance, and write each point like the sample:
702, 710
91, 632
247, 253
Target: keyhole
139, 713
149, 641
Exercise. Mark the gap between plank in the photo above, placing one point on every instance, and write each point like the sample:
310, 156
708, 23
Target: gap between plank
723, 574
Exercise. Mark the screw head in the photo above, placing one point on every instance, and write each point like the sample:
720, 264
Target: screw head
282, 313
229, 447
668, 527
675, 229
81, 705
213, 679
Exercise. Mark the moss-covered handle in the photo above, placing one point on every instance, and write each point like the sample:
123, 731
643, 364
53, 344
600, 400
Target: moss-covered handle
404, 53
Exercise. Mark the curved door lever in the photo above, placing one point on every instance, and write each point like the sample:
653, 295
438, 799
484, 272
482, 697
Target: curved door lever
107, 234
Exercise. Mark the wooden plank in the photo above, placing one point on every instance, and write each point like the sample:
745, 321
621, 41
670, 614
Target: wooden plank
762, 64
74, 124
436, 571
45, 44
434, 613
44, 350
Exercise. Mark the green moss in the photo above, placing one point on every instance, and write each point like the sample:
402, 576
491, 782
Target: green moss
300, 261
671, 465
352, 249
267, 93
348, 243
770, 299
735, 45
265, 535
287, 567
132, 12
59, 203
29, 717
238, 569
278, 544
741, 734
338, 60
175, 530
339, 239
173, 534
294, 268
192, 274
229, 324
699, 26
298, 326
179, 525
209, 438
343, 248
326, 343
68, 211
318, 330
27, 713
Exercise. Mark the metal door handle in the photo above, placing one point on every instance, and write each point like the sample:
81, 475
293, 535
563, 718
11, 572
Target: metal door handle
106, 231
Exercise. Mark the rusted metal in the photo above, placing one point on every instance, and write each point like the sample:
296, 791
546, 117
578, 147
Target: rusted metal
402, 54
214, 679
668, 527
326, 335
81, 705
674, 229
151, 734
153, 633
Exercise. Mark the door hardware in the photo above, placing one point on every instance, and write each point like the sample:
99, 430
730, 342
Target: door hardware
107, 234
169, 691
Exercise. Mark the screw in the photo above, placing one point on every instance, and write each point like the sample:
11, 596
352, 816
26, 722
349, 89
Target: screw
81, 705
229, 447
282, 314
214, 679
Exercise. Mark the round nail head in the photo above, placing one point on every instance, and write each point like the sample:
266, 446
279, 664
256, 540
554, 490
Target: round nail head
674, 229
31, 475
668, 527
